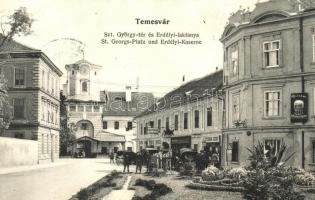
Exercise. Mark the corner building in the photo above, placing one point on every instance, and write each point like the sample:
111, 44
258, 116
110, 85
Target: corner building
268, 62
33, 87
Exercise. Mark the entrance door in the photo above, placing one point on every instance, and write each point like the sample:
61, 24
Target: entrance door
87, 147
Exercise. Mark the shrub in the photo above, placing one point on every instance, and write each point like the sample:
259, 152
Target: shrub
267, 178
160, 190
236, 173
212, 173
305, 179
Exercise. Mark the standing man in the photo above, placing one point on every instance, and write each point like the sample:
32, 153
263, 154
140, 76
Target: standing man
126, 161
139, 162
111, 157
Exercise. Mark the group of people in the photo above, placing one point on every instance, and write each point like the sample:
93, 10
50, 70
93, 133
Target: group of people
165, 160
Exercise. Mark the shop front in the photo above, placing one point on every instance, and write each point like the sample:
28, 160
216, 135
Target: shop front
212, 145
178, 143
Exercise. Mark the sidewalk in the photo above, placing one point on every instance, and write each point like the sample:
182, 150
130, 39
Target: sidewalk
15, 169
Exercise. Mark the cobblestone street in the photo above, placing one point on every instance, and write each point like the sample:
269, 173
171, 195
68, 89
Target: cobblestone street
59, 182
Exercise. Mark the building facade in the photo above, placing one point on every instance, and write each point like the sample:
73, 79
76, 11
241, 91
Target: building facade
103, 121
187, 117
269, 82
119, 113
33, 88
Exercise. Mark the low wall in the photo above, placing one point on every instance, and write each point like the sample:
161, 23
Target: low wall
16, 152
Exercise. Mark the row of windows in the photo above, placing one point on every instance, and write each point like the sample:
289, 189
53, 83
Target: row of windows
50, 112
271, 147
50, 83
84, 108
116, 125
49, 141
150, 124
271, 55
272, 105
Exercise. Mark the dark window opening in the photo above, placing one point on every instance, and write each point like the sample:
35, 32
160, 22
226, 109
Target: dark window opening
116, 125
209, 116
235, 151
196, 118
104, 124
185, 120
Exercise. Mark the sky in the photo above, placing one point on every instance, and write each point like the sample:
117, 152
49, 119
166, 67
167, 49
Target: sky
159, 68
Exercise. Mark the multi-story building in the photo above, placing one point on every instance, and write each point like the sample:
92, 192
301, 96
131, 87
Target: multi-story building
102, 120
120, 110
33, 88
187, 117
269, 82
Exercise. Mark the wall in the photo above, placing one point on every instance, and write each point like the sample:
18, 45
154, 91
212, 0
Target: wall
16, 152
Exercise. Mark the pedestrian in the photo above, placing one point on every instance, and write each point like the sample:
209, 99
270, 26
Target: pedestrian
126, 161
115, 157
111, 157
139, 162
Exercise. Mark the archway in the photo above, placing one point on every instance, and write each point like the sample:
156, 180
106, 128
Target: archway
84, 128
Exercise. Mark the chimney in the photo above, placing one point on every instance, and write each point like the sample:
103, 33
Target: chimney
128, 93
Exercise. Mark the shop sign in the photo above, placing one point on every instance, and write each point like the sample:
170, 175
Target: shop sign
211, 139
181, 140
152, 130
299, 107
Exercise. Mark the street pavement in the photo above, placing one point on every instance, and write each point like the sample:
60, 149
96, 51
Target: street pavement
57, 182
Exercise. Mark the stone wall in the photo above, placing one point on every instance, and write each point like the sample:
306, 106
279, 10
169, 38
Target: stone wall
17, 152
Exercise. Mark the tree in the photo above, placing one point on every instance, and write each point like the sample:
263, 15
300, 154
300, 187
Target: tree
18, 23
5, 107
67, 136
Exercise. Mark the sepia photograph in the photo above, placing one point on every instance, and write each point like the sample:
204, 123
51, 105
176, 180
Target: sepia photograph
157, 100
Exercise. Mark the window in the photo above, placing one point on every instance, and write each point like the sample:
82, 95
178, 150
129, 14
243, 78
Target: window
313, 151
18, 108
80, 108
104, 124
196, 118
84, 87
116, 125
145, 129
72, 108
176, 122
235, 151
185, 120
19, 76
236, 107
96, 108
43, 79
52, 85
167, 123
84, 126
43, 110
272, 147
151, 124
272, 103
129, 125
88, 108
159, 125
234, 61
47, 81
209, 116
196, 147
141, 129
271, 53
72, 71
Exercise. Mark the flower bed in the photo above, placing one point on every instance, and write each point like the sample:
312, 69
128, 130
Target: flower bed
157, 190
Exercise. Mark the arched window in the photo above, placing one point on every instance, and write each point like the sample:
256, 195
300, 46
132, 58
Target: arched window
84, 87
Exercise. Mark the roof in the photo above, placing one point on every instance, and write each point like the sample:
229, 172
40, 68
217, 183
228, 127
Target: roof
104, 136
17, 49
118, 106
189, 92
13, 46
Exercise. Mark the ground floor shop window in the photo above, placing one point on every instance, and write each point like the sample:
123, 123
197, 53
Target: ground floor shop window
235, 151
